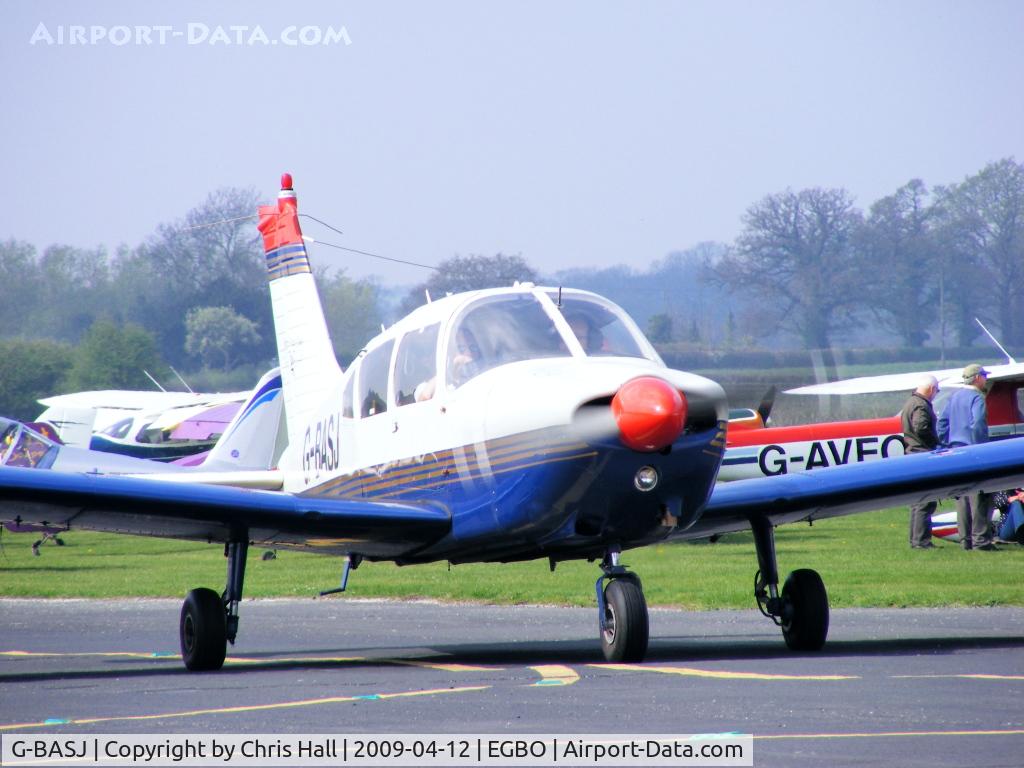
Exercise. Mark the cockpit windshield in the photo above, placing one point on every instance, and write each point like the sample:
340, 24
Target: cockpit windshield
21, 447
601, 327
499, 330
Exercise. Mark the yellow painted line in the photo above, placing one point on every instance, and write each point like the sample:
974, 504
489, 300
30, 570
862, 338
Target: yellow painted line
357, 660
718, 674
271, 660
127, 654
555, 674
962, 677
265, 660
441, 666
886, 734
249, 708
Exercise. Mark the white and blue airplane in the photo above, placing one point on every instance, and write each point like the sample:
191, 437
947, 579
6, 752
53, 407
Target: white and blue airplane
491, 426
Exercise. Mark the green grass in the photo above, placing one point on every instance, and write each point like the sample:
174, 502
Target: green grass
864, 560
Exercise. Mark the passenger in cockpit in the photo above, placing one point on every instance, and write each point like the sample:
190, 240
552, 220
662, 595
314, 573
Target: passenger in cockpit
588, 334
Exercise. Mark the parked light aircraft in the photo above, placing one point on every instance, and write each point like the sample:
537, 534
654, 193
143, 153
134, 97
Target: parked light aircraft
491, 426
147, 425
781, 450
246, 455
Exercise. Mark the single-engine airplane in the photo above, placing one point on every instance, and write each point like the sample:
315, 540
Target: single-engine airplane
491, 426
770, 451
246, 454
148, 425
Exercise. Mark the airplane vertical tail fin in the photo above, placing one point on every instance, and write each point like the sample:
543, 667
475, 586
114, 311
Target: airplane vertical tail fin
309, 369
255, 438
73, 425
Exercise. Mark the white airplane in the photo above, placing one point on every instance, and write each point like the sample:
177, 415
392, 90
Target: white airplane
755, 450
1004, 395
491, 426
146, 425
246, 454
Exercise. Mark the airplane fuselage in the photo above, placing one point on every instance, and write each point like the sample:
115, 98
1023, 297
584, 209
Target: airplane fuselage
784, 450
525, 456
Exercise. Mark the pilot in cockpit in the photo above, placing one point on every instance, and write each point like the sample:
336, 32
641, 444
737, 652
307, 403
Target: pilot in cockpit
465, 362
586, 332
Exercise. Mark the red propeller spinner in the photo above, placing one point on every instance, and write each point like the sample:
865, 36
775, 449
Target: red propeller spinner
650, 413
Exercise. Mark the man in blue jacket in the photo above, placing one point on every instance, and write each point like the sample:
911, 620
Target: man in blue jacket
965, 422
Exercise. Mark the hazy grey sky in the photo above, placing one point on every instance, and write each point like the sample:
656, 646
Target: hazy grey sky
574, 133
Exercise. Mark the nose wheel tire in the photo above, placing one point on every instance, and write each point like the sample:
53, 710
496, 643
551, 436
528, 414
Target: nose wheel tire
805, 611
624, 637
203, 631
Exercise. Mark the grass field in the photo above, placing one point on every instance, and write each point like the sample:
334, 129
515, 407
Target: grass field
864, 560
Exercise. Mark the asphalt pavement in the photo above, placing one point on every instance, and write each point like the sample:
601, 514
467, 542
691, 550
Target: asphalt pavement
906, 687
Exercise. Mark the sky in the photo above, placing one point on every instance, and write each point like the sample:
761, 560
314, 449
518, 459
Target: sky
572, 133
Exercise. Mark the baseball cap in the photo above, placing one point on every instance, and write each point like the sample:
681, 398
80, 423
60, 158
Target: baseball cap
973, 370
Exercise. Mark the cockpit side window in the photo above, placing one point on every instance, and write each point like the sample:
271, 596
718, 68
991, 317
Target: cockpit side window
21, 447
373, 380
500, 330
119, 430
600, 329
416, 365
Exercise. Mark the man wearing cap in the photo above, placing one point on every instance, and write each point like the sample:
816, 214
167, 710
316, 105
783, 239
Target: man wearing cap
965, 422
918, 418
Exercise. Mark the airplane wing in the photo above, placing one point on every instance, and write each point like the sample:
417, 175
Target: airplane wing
216, 513
905, 382
844, 490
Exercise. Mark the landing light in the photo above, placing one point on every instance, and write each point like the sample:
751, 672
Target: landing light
646, 479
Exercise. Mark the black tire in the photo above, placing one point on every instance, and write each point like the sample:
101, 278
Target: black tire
625, 637
203, 631
805, 611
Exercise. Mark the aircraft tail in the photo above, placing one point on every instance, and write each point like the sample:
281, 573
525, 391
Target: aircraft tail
256, 437
309, 369
72, 425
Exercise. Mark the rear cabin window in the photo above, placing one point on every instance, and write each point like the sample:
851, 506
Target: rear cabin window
373, 380
416, 365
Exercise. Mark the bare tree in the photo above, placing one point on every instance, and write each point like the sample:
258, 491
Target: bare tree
900, 253
796, 253
983, 220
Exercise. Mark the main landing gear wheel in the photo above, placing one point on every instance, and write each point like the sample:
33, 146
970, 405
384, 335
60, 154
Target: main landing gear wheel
805, 611
802, 608
203, 630
626, 629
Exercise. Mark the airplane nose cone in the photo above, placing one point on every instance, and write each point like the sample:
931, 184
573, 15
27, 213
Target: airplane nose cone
650, 413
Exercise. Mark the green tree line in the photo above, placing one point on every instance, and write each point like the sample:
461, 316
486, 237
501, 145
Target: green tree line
808, 267
192, 297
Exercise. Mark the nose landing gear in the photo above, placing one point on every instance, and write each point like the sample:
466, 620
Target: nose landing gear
622, 612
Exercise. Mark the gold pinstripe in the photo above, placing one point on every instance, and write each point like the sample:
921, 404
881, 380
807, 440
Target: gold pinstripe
500, 453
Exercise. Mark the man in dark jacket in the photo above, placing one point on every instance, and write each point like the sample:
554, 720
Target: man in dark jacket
965, 422
919, 434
